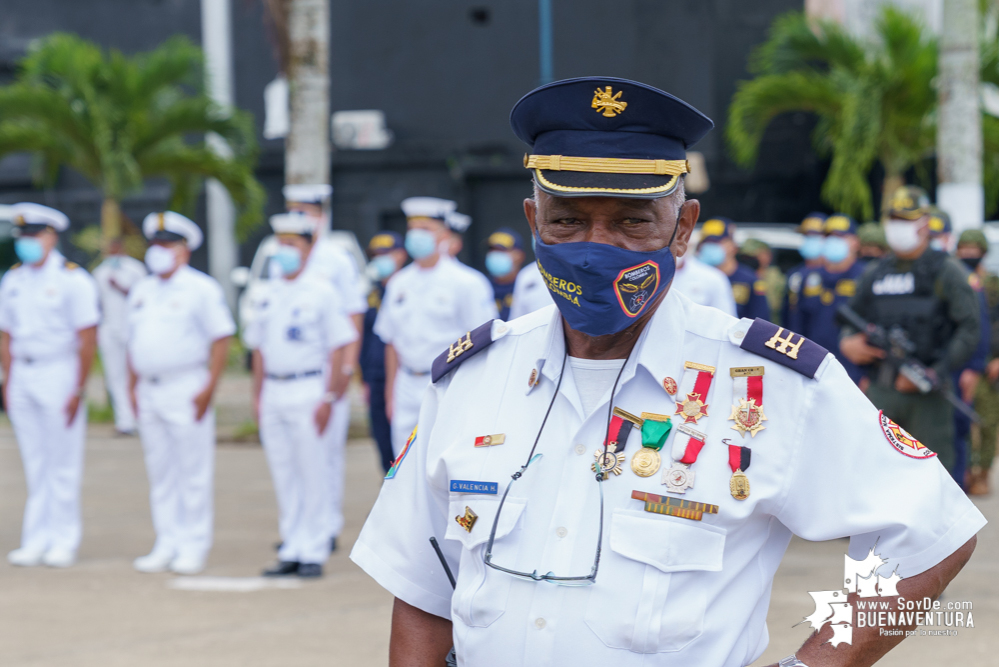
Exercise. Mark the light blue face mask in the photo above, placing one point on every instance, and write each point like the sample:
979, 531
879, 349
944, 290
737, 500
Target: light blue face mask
382, 266
420, 243
835, 249
29, 249
812, 247
711, 254
498, 263
288, 258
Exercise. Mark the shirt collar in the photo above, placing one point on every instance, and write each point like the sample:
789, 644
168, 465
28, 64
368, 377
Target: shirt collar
659, 349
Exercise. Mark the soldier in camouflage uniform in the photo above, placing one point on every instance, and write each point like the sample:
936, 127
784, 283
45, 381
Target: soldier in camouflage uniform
872, 241
971, 248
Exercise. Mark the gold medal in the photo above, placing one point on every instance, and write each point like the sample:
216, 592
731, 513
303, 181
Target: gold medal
691, 408
467, 521
748, 417
739, 485
645, 462
608, 462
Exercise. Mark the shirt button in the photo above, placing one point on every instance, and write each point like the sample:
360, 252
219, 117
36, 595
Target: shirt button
739, 334
561, 532
539, 623
501, 329
580, 449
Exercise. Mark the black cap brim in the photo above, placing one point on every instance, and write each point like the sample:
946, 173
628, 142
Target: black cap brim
587, 184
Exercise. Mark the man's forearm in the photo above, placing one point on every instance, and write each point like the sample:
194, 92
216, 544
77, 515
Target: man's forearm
391, 365
418, 639
257, 366
217, 359
336, 383
5, 355
869, 645
86, 352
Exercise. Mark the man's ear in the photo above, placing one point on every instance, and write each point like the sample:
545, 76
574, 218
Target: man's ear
686, 220
530, 212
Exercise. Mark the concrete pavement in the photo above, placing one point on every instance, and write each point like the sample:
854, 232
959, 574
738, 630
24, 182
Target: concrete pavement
102, 613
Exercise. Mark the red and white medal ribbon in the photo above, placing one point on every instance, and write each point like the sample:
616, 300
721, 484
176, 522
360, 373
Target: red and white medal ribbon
747, 390
691, 406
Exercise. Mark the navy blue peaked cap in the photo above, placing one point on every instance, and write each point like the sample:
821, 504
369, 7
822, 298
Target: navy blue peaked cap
604, 136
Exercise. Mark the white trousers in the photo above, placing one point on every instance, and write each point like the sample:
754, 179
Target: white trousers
113, 358
299, 461
407, 396
180, 462
335, 444
51, 452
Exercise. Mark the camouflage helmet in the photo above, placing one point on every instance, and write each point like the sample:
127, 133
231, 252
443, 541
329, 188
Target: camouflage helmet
974, 237
871, 233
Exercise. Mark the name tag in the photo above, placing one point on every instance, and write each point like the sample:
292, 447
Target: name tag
462, 486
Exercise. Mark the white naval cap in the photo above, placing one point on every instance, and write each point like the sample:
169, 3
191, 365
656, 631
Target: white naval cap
307, 193
171, 226
28, 213
292, 223
428, 207
457, 222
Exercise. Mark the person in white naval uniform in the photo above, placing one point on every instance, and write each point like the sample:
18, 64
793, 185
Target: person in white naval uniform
704, 285
179, 328
529, 292
48, 336
115, 276
332, 263
299, 331
428, 303
586, 470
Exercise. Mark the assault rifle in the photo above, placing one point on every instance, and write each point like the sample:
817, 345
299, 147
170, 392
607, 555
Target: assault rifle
901, 350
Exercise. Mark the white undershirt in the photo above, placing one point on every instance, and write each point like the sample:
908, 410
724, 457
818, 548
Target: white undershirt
594, 378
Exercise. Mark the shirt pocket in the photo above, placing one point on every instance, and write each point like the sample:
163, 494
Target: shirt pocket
481, 592
649, 594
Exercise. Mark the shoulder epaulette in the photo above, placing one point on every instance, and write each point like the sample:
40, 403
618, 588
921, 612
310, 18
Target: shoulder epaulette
16, 266
70, 265
465, 348
784, 347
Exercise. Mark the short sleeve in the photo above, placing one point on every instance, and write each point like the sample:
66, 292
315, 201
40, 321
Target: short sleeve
84, 302
383, 322
215, 316
394, 545
848, 479
349, 286
338, 329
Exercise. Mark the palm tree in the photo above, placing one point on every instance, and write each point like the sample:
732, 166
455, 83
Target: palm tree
120, 120
875, 100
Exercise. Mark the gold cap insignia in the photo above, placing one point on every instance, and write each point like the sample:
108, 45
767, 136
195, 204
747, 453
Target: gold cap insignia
607, 103
160, 225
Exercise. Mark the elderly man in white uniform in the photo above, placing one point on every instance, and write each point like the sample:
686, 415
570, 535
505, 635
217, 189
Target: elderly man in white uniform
48, 335
704, 285
179, 328
586, 470
300, 330
115, 276
332, 263
426, 305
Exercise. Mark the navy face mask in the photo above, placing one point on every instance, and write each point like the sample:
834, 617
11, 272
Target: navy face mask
601, 289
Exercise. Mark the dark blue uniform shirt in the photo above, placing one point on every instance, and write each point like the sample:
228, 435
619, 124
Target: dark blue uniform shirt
750, 293
822, 292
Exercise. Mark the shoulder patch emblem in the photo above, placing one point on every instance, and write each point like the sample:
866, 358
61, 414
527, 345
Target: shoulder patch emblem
784, 347
464, 348
902, 440
974, 281
402, 455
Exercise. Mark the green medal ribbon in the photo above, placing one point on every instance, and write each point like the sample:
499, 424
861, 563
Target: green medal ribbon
654, 433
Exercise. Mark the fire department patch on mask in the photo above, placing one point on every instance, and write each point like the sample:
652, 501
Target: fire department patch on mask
901, 440
635, 286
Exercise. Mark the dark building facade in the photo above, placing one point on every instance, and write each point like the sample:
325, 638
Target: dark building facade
446, 74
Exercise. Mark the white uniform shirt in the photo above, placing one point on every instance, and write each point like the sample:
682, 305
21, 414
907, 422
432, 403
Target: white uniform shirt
529, 292
299, 322
331, 262
173, 323
425, 310
115, 277
43, 308
669, 591
704, 285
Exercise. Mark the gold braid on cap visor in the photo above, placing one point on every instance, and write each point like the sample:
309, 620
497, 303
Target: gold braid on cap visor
608, 165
